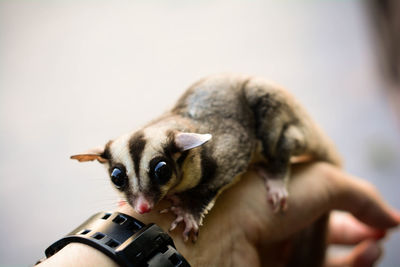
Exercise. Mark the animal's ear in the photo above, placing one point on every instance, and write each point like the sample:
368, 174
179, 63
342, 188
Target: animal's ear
90, 155
186, 141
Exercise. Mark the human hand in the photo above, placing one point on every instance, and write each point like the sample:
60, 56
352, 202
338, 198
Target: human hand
344, 229
242, 230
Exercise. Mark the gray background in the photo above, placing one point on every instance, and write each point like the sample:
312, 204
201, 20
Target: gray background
76, 74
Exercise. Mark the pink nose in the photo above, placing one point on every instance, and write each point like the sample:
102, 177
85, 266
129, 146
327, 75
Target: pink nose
142, 204
143, 208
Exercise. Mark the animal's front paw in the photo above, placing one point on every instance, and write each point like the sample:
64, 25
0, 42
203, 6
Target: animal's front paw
277, 194
191, 223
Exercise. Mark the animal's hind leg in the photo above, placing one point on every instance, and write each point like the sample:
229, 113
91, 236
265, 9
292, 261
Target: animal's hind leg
279, 126
277, 193
276, 171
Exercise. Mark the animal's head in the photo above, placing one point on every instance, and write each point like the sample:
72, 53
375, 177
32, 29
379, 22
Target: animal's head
146, 165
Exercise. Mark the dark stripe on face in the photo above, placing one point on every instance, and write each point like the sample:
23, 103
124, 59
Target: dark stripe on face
154, 192
136, 148
170, 147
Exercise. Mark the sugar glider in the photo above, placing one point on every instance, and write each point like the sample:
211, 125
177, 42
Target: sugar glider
219, 127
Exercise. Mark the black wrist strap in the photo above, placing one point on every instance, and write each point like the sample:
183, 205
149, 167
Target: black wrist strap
126, 240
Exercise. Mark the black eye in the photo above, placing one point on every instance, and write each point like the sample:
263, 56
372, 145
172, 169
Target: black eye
118, 177
162, 172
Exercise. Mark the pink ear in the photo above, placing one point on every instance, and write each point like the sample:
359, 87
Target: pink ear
90, 155
186, 141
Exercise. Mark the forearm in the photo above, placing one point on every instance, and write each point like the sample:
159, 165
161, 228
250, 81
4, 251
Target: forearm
78, 254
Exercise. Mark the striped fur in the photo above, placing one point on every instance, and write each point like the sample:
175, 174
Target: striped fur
250, 120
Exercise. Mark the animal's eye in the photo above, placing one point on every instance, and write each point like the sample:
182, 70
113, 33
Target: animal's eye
162, 172
118, 177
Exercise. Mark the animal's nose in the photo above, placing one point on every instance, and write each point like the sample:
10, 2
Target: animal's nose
143, 208
143, 205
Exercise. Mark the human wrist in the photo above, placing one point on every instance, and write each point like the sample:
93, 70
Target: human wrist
124, 239
78, 254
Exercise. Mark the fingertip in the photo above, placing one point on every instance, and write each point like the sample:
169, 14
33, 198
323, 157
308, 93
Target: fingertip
379, 234
367, 254
397, 217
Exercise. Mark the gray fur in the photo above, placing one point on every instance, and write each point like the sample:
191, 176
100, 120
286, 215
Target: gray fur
241, 113
228, 107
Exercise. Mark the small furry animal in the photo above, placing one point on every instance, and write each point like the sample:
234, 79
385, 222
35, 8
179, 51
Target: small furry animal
221, 125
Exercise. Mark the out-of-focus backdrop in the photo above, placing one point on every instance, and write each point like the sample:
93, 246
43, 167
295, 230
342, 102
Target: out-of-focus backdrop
74, 74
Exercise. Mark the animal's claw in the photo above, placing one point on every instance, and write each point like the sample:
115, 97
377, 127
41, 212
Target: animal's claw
191, 224
175, 223
164, 211
277, 194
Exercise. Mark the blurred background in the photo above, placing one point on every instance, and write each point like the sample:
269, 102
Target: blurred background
74, 74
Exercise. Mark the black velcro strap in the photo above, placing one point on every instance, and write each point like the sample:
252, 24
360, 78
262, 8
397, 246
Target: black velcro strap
124, 239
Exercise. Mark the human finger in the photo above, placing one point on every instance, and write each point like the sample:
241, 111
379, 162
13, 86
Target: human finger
346, 230
362, 200
365, 254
